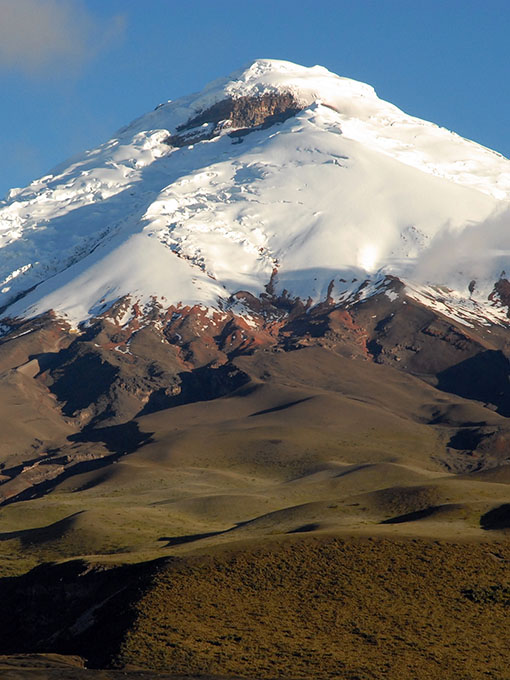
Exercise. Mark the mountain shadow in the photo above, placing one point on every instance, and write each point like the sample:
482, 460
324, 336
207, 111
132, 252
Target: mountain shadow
497, 518
71, 608
484, 377
120, 439
202, 384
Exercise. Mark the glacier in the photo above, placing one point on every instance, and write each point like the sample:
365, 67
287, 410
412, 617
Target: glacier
324, 204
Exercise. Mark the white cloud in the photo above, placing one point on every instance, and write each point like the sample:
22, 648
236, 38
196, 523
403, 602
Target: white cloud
37, 35
478, 251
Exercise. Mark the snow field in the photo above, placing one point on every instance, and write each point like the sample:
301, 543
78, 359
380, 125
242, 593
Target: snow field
350, 188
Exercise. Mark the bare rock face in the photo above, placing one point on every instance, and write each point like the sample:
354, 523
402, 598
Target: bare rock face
241, 115
501, 293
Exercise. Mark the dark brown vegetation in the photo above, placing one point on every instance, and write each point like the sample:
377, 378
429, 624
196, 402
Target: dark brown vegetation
318, 607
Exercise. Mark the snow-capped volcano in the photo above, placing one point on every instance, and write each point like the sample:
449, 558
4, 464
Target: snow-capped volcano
277, 176
282, 240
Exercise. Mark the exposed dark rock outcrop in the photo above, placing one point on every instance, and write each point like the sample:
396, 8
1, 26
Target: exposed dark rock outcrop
501, 293
239, 114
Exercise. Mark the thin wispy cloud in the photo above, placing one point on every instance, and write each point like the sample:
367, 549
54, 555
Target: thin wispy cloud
37, 36
479, 250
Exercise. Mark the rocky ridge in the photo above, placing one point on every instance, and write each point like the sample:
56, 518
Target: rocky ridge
99, 380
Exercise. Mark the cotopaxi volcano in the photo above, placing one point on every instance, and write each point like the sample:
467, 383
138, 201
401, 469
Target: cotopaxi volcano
277, 175
262, 334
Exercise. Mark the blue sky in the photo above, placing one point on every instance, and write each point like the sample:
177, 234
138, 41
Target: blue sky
74, 71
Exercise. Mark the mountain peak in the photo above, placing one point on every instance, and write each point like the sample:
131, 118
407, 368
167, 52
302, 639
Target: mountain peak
256, 79
310, 83
277, 176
